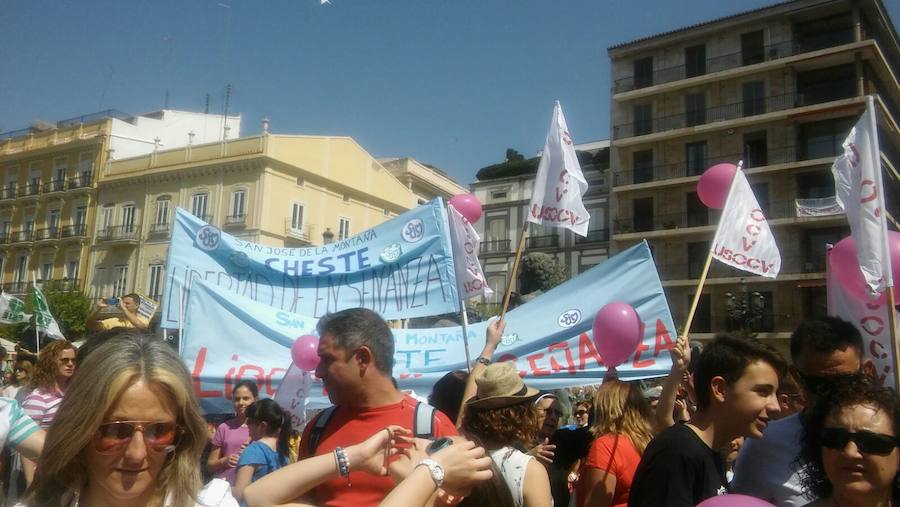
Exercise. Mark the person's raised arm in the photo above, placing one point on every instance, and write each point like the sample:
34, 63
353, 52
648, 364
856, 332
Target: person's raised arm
492, 340
293, 481
681, 357
133, 317
92, 322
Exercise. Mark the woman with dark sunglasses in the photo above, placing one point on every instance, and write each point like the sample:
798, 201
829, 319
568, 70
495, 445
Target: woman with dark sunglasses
849, 453
128, 433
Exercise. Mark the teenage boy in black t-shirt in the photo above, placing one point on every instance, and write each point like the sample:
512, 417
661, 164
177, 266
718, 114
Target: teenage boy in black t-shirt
735, 382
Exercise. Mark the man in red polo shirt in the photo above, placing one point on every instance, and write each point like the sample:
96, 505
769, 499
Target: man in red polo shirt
356, 352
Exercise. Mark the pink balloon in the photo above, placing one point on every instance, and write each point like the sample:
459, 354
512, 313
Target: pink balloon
304, 352
845, 266
714, 185
617, 333
468, 206
734, 501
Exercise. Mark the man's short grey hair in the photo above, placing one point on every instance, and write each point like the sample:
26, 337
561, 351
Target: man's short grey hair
357, 327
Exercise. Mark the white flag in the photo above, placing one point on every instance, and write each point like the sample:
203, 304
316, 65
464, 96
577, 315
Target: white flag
12, 310
293, 394
857, 183
744, 239
465, 240
559, 184
43, 319
873, 322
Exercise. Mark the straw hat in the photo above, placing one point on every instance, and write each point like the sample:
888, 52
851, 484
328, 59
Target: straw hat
499, 385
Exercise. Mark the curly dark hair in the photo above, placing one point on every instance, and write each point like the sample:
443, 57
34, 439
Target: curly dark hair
47, 366
859, 391
514, 425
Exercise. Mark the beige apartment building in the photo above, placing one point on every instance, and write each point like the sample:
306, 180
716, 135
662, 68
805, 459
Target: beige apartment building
279, 190
779, 88
425, 181
48, 176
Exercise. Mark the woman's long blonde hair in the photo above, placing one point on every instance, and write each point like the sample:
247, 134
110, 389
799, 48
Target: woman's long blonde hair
620, 408
92, 394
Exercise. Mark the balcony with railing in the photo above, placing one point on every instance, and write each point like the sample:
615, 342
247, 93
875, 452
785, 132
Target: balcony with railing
298, 232
22, 237
5, 238
495, 246
671, 221
73, 231
693, 268
124, 234
734, 60
30, 190
206, 218
545, 241
595, 236
810, 95
82, 181
8, 192
24, 287
55, 186
770, 157
160, 229
236, 220
47, 234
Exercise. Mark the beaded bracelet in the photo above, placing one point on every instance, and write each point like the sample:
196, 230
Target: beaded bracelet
343, 463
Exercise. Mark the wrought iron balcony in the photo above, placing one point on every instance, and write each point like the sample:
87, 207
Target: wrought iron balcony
30, 190
49, 233
810, 95
595, 236
160, 229
547, 241
236, 219
22, 236
119, 233
495, 246
73, 231
734, 60
8, 192
55, 186
80, 181
693, 268
685, 168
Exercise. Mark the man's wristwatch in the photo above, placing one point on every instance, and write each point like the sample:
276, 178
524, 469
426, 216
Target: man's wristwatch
436, 470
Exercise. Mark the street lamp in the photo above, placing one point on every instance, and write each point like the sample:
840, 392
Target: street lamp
745, 310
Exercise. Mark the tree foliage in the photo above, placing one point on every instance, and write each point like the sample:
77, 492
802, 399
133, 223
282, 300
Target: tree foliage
540, 271
70, 308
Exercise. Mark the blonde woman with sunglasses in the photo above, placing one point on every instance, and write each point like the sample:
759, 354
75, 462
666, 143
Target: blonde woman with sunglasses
128, 434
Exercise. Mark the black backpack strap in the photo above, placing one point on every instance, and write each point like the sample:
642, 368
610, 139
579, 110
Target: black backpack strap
423, 424
318, 429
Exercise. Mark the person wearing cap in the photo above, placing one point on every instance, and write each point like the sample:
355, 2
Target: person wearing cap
503, 418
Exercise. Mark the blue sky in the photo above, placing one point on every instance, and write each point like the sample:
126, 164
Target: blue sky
451, 83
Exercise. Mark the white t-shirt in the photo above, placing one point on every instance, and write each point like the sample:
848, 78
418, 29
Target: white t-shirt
766, 468
512, 464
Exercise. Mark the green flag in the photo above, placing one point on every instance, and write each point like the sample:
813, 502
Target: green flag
12, 310
43, 319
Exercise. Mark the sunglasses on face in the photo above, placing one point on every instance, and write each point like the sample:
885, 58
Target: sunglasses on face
113, 437
66, 360
866, 441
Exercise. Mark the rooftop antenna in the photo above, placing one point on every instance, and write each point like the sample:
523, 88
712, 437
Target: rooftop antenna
206, 109
227, 102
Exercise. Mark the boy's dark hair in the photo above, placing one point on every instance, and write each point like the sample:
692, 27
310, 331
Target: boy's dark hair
356, 327
728, 357
825, 335
134, 297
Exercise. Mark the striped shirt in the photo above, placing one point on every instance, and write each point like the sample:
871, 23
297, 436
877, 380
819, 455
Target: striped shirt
42, 406
15, 425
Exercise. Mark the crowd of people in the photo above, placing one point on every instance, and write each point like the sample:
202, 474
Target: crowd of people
116, 423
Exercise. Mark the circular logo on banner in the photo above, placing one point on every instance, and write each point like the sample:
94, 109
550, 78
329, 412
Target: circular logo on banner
391, 253
240, 259
569, 318
208, 238
509, 339
413, 231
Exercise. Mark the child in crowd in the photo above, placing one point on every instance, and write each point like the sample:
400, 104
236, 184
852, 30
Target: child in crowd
233, 435
270, 432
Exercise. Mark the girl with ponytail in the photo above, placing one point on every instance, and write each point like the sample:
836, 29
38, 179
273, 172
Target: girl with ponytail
270, 432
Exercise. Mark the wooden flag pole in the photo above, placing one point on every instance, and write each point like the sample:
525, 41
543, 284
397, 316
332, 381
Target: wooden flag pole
892, 319
515, 269
465, 331
690, 317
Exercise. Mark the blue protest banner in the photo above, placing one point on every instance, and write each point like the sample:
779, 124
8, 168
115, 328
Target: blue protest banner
228, 338
402, 268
